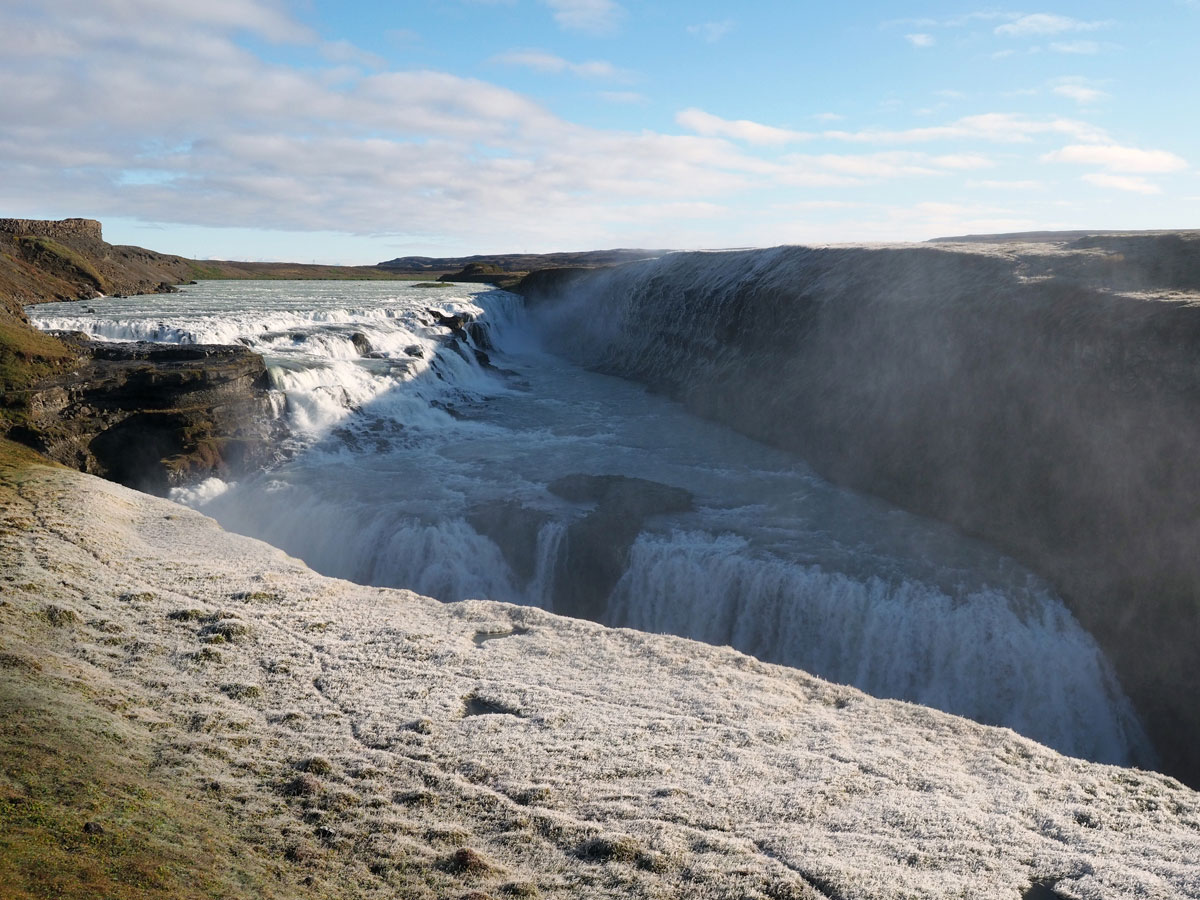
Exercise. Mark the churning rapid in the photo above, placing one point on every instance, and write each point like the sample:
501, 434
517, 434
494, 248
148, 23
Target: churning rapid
437, 444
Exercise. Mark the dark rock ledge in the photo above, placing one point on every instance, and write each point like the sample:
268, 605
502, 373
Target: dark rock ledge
153, 416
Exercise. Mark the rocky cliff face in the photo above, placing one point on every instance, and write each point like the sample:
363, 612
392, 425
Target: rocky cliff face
70, 260
153, 416
1008, 390
64, 229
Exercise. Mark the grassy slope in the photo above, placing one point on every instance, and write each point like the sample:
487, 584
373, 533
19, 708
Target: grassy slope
73, 751
224, 269
25, 356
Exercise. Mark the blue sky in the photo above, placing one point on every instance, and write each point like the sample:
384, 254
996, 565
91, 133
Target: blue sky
357, 131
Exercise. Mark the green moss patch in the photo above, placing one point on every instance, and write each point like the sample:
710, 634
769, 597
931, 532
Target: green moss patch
56, 257
83, 814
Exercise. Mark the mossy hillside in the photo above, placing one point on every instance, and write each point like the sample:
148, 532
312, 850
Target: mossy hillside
84, 809
26, 355
50, 254
83, 812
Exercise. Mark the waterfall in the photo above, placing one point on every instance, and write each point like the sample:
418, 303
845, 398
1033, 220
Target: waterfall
424, 455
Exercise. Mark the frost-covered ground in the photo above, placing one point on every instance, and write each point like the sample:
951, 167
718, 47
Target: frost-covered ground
392, 745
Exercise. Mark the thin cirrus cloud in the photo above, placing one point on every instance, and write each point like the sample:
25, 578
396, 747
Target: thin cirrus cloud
600, 17
1001, 128
549, 63
1043, 24
1079, 90
708, 125
998, 128
1078, 48
1130, 183
711, 31
921, 40
1116, 158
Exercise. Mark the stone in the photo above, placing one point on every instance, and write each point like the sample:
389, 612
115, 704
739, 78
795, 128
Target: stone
597, 545
154, 416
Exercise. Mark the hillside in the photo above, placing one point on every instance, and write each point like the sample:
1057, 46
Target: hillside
190, 713
42, 261
519, 262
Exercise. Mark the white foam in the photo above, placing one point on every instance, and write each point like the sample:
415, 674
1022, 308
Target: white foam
197, 495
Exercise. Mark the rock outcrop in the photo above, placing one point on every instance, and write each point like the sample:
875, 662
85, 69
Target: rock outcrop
597, 545
153, 416
63, 229
1007, 390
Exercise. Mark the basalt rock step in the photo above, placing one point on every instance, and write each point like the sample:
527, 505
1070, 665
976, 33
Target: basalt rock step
153, 416
597, 545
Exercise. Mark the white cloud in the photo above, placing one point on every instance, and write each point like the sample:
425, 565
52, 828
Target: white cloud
1007, 185
1078, 89
884, 165
1040, 24
1085, 48
541, 61
1131, 183
963, 161
711, 31
921, 40
589, 16
873, 165
828, 117
1119, 159
1002, 128
706, 124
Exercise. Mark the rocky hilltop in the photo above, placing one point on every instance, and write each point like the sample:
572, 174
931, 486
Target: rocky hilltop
70, 260
1044, 396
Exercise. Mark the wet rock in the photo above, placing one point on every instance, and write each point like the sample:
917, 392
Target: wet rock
456, 322
478, 332
597, 546
153, 416
636, 497
361, 343
514, 529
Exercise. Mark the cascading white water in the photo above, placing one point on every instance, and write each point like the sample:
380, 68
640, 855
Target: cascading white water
394, 452
976, 654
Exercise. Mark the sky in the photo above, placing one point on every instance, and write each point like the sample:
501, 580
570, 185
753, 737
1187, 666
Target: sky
361, 130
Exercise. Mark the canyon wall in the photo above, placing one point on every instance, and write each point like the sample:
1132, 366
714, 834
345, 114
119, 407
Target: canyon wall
1007, 390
